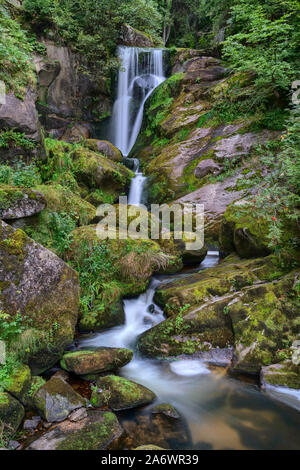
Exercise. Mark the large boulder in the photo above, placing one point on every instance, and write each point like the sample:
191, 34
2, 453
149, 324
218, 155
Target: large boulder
56, 400
105, 148
18, 383
133, 38
96, 361
120, 394
43, 291
206, 69
242, 232
16, 203
285, 374
21, 115
11, 414
265, 322
98, 431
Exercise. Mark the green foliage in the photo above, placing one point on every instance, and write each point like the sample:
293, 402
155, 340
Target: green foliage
92, 27
15, 55
10, 328
21, 175
265, 41
279, 198
11, 138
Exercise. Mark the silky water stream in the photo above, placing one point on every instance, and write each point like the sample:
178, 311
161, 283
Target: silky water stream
218, 411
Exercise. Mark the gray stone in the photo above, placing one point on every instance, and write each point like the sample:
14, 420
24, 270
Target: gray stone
56, 400
206, 167
21, 115
28, 203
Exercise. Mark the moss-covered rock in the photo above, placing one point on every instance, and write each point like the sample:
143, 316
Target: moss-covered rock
99, 431
56, 400
265, 321
229, 276
120, 394
18, 383
11, 414
105, 148
244, 233
192, 329
167, 410
96, 171
96, 361
113, 268
44, 291
16, 203
285, 374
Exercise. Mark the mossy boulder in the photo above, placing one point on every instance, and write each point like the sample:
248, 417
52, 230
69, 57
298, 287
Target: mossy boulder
193, 329
166, 409
98, 431
265, 322
231, 275
244, 233
105, 148
120, 394
16, 203
18, 383
56, 400
44, 291
97, 171
96, 361
116, 267
285, 374
11, 414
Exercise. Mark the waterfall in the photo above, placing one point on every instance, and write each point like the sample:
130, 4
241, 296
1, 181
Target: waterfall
142, 70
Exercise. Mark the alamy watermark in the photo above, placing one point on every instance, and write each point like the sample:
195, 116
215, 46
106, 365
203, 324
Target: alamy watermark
162, 222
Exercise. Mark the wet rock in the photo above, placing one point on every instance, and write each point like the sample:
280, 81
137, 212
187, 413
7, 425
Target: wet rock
98, 431
134, 38
78, 415
18, 383
206, 167
11, 413
96, 361
105, 148
21, 115
47, 71
285, 374
32, 424
191, 256
56, 400
16, 203
157, 429
167, 410
120, 394
44, 290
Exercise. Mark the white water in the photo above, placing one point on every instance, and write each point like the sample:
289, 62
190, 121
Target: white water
141, 72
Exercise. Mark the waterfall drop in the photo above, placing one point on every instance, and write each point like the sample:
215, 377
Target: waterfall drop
142, 70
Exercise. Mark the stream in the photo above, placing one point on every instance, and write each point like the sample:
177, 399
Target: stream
218, 411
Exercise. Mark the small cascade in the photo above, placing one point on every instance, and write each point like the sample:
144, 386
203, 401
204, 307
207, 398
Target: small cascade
142, 70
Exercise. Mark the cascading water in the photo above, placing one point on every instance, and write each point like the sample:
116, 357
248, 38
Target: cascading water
142, 70
220, 412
